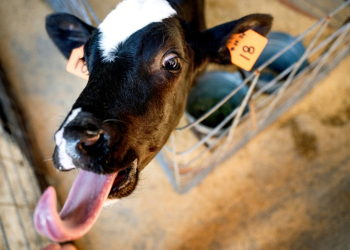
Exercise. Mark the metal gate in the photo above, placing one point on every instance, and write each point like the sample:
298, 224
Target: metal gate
19, 187
186, 165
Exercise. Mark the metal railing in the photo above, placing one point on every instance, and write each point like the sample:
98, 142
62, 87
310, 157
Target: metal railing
18, 184
187, 165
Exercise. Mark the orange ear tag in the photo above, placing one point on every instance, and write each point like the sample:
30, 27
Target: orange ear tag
76, 66
245, 48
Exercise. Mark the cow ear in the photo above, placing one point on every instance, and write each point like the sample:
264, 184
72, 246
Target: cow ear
67, 32
215, 39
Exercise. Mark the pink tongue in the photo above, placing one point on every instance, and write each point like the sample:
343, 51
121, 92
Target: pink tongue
83, 205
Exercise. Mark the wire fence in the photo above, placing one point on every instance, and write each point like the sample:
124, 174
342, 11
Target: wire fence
319, 9
188, 157
19, 187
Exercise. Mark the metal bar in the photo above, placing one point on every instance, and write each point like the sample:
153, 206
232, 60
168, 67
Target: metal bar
7, 105
80, 7
224, 147
209, 135
218, 105
176, 166
292, 74
334, 12
163, 161
10, 115
328, 53
286, 71
12, 194
15, 168
252, 112
4, 235
211, 146
79, 10
297, 39
92, 12
24, 157
235, 123
300, 37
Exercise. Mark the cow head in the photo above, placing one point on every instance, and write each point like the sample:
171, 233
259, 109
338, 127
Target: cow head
142, 62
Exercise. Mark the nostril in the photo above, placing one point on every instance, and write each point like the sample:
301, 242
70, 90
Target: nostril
92, 133
92, 142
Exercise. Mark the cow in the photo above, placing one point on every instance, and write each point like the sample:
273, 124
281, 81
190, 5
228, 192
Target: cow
142, 60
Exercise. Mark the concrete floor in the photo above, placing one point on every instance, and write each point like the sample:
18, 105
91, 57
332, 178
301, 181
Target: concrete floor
288, 188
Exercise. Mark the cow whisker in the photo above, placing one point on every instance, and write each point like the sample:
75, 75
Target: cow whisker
47, 159
113, 120
59, 116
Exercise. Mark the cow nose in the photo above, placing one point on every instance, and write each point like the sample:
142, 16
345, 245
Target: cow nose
85, 136
91, 140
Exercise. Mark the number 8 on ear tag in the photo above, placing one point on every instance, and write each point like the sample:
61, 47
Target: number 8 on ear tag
245, 48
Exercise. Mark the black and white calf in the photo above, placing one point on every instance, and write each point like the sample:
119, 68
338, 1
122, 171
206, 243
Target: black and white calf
142, 62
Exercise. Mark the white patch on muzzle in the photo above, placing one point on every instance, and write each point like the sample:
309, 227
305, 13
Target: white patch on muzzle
108, 203
65, 160
128, 17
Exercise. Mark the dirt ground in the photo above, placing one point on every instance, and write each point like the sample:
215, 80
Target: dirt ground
288, 188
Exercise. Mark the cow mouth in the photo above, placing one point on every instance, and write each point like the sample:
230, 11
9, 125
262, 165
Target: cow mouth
125, 182
120, 181
83, 205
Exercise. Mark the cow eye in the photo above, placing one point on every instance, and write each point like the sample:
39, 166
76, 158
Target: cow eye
171, 62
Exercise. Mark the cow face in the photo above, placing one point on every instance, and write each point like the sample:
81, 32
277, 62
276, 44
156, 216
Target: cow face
142, 62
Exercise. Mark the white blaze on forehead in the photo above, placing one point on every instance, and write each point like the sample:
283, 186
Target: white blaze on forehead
128, 17
65, 160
